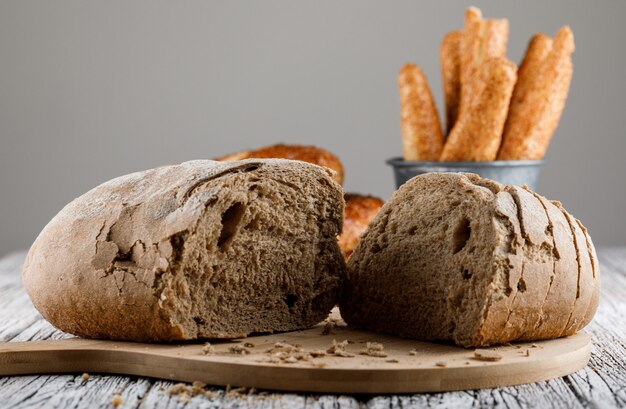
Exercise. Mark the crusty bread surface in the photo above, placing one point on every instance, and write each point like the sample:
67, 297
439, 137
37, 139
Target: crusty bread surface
203, 249
310, 154
454, 257
359, 212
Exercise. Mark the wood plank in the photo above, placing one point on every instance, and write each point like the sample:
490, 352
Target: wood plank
601, 384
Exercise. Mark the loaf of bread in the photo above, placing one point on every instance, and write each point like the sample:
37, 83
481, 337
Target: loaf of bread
458, 258
203, 249
310, 154
359, 212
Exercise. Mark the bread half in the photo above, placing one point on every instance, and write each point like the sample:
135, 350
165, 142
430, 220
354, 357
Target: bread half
203, 249
455, 257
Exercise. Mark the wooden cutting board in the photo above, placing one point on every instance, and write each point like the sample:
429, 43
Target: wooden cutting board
431, 368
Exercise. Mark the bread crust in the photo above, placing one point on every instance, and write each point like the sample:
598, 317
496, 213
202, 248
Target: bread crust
540, 100
595, 284
310, 154
499, 308
562, 293
422, 139
585, 282
114, 262
359, 212
450, 59
477, 134
537, 269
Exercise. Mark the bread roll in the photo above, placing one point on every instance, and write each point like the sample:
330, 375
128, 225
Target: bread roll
454, 257
203, 249
310, 154
359, 212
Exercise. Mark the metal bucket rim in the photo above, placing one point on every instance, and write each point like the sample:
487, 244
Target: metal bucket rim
398, 162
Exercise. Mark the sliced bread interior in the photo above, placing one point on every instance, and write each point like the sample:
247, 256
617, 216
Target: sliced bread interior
455, 257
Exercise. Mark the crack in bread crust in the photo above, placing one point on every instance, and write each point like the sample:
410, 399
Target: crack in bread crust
595, 297
583, 295
538, 265
498, 311
547, 322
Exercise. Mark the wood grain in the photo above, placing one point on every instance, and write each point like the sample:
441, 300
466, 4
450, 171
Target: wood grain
601, 384
433, 368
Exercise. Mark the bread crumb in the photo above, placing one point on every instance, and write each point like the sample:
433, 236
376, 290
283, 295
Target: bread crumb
534, 346
393, 361
527, 352
290, 360
467, 362
186, 392
487, 355
284, 347
328, 327
85, 376
518, 346
208, 349
176, 389
339, 349
239, 349
317, 353
375, 349
441, 364
248, 345
117, 400
319, 364
238, 391
283, 352
413, 352
197, 387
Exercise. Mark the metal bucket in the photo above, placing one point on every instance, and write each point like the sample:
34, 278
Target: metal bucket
507, 172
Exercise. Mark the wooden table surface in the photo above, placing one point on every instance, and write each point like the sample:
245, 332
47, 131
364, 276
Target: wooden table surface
602, 384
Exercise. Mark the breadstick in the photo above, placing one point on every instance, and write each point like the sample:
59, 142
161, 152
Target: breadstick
470, 48
483, 39
450, 56
538, 49
528, 75
531, 123
477, 134
421, 132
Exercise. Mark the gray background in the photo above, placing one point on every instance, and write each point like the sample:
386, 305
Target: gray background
93, 90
